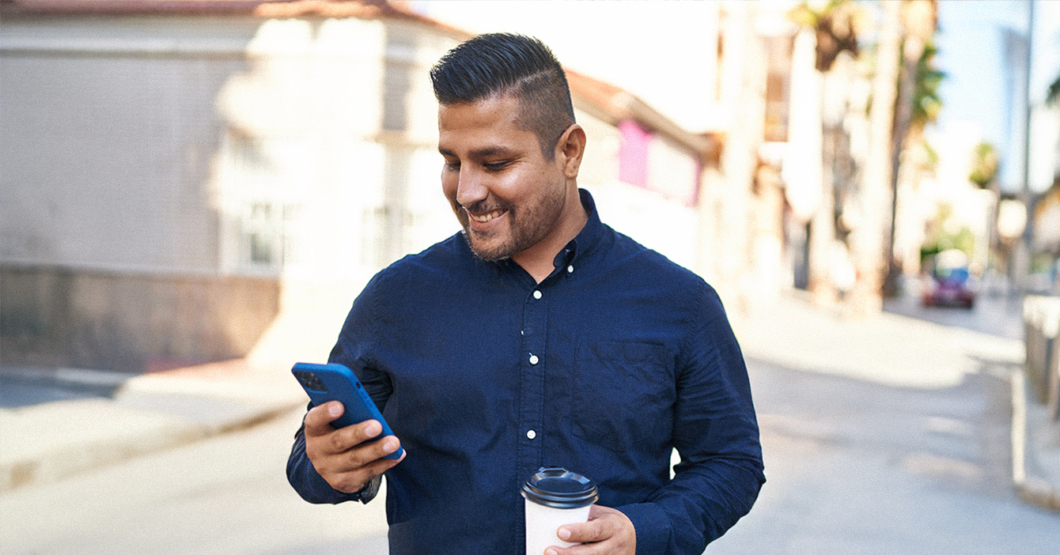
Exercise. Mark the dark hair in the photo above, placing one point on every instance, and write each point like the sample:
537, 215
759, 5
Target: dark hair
502, 63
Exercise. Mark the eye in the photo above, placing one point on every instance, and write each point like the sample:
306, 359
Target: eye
495, 166
452, 166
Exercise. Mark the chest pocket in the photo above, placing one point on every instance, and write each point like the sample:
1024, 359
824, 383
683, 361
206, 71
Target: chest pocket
624, 394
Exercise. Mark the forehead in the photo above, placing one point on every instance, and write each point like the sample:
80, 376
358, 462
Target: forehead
492, 121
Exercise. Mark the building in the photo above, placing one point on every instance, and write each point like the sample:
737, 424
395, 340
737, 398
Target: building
187, 181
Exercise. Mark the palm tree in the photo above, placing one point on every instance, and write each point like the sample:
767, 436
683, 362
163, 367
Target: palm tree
870, 240
726, 243
835, 27
917, 105
984, 165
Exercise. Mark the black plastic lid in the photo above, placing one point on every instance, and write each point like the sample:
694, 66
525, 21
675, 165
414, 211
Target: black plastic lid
557, 487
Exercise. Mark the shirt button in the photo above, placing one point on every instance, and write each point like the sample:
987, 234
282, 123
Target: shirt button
537, 294
570, 269
534, 359
530, 434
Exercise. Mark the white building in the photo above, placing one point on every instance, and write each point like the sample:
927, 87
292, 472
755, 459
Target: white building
180, 181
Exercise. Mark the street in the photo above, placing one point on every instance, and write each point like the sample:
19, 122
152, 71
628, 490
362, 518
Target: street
226, 495
861, 458
995, 314
862, 468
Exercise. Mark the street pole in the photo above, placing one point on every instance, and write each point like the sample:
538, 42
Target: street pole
1023, 261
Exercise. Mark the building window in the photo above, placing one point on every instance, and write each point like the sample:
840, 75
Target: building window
267, 242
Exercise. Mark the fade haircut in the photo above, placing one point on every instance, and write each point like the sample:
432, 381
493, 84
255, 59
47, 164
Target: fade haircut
506, 63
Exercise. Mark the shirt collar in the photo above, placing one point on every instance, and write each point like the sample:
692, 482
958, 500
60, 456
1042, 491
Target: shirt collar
586, 238
582, 243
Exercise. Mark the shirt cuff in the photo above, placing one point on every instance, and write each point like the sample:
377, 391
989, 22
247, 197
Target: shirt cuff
651, 525
370, 490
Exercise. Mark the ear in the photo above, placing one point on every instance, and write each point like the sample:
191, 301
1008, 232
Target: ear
569, 150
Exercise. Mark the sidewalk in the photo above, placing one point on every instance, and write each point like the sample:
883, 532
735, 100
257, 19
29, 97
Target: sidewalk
148, 412
156, 411
138, 414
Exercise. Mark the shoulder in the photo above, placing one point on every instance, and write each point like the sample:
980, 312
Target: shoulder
631, 257
649, 271
440, 262
406, 285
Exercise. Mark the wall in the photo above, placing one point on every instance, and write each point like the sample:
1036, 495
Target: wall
163, 175
57, 316
107, 140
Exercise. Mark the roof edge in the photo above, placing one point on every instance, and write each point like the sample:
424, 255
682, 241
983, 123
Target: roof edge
615, 104
361, 9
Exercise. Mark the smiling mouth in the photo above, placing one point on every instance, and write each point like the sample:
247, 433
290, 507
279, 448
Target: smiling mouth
486, 217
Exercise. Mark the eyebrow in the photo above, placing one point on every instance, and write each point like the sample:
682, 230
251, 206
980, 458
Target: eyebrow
480, 153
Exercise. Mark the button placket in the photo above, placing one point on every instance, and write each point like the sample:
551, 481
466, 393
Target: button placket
534, 332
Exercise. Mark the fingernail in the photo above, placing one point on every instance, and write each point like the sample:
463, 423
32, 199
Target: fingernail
564, 535
390, 446
334, 409
372, 429
550, 552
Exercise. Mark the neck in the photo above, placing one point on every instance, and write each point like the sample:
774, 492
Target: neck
539, 260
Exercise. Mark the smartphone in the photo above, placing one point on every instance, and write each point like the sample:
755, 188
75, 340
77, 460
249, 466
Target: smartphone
335, 382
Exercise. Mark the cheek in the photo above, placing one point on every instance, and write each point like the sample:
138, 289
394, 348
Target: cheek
449, 184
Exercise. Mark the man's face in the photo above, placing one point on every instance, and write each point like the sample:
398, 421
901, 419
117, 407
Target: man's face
507, 196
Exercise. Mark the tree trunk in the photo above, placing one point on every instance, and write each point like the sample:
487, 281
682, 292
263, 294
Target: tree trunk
871, 238
743, 75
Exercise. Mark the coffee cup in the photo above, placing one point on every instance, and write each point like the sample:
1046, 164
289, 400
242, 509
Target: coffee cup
554, 497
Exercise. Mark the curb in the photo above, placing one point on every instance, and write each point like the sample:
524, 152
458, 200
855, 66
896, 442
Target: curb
1031, 489
51, 441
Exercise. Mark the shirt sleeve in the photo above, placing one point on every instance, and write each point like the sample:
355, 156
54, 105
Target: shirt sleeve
357, 334
716, 434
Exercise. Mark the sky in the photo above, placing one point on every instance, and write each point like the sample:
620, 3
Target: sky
647, 48
980, 82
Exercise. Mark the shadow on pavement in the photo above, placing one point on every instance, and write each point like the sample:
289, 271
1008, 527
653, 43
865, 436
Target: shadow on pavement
28, 386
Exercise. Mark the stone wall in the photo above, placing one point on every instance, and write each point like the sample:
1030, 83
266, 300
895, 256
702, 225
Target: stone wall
93, 319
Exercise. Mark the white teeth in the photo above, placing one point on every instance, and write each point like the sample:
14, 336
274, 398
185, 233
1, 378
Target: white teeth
486, 217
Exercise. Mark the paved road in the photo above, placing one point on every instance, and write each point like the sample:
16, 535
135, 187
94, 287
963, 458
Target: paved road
862, 468
227, 495
1000, 315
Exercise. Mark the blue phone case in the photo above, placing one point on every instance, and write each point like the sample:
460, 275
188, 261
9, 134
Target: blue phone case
335, 382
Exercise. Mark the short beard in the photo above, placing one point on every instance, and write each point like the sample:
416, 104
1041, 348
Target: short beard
539, 221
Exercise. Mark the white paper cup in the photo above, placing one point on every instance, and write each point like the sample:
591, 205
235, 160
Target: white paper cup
554, 497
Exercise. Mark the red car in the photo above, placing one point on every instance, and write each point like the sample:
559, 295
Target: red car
949, 284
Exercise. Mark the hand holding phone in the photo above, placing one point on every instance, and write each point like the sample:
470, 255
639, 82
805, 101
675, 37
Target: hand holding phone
334, 382
345, 450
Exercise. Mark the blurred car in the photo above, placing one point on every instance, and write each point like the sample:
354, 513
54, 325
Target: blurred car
949, 283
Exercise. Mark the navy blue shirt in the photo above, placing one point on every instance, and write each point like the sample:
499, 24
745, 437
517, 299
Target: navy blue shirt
616, 358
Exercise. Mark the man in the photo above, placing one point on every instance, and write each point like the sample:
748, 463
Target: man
538, 336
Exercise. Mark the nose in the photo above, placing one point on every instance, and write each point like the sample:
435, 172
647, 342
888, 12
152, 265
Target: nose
469, 187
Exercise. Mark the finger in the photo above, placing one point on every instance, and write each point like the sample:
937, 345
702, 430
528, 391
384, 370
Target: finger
585, 532
607, 531
603, 523
370, 452
355, 480
319, 418
351, 437
381, 465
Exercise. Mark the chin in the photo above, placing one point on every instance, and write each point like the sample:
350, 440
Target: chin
488, 252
